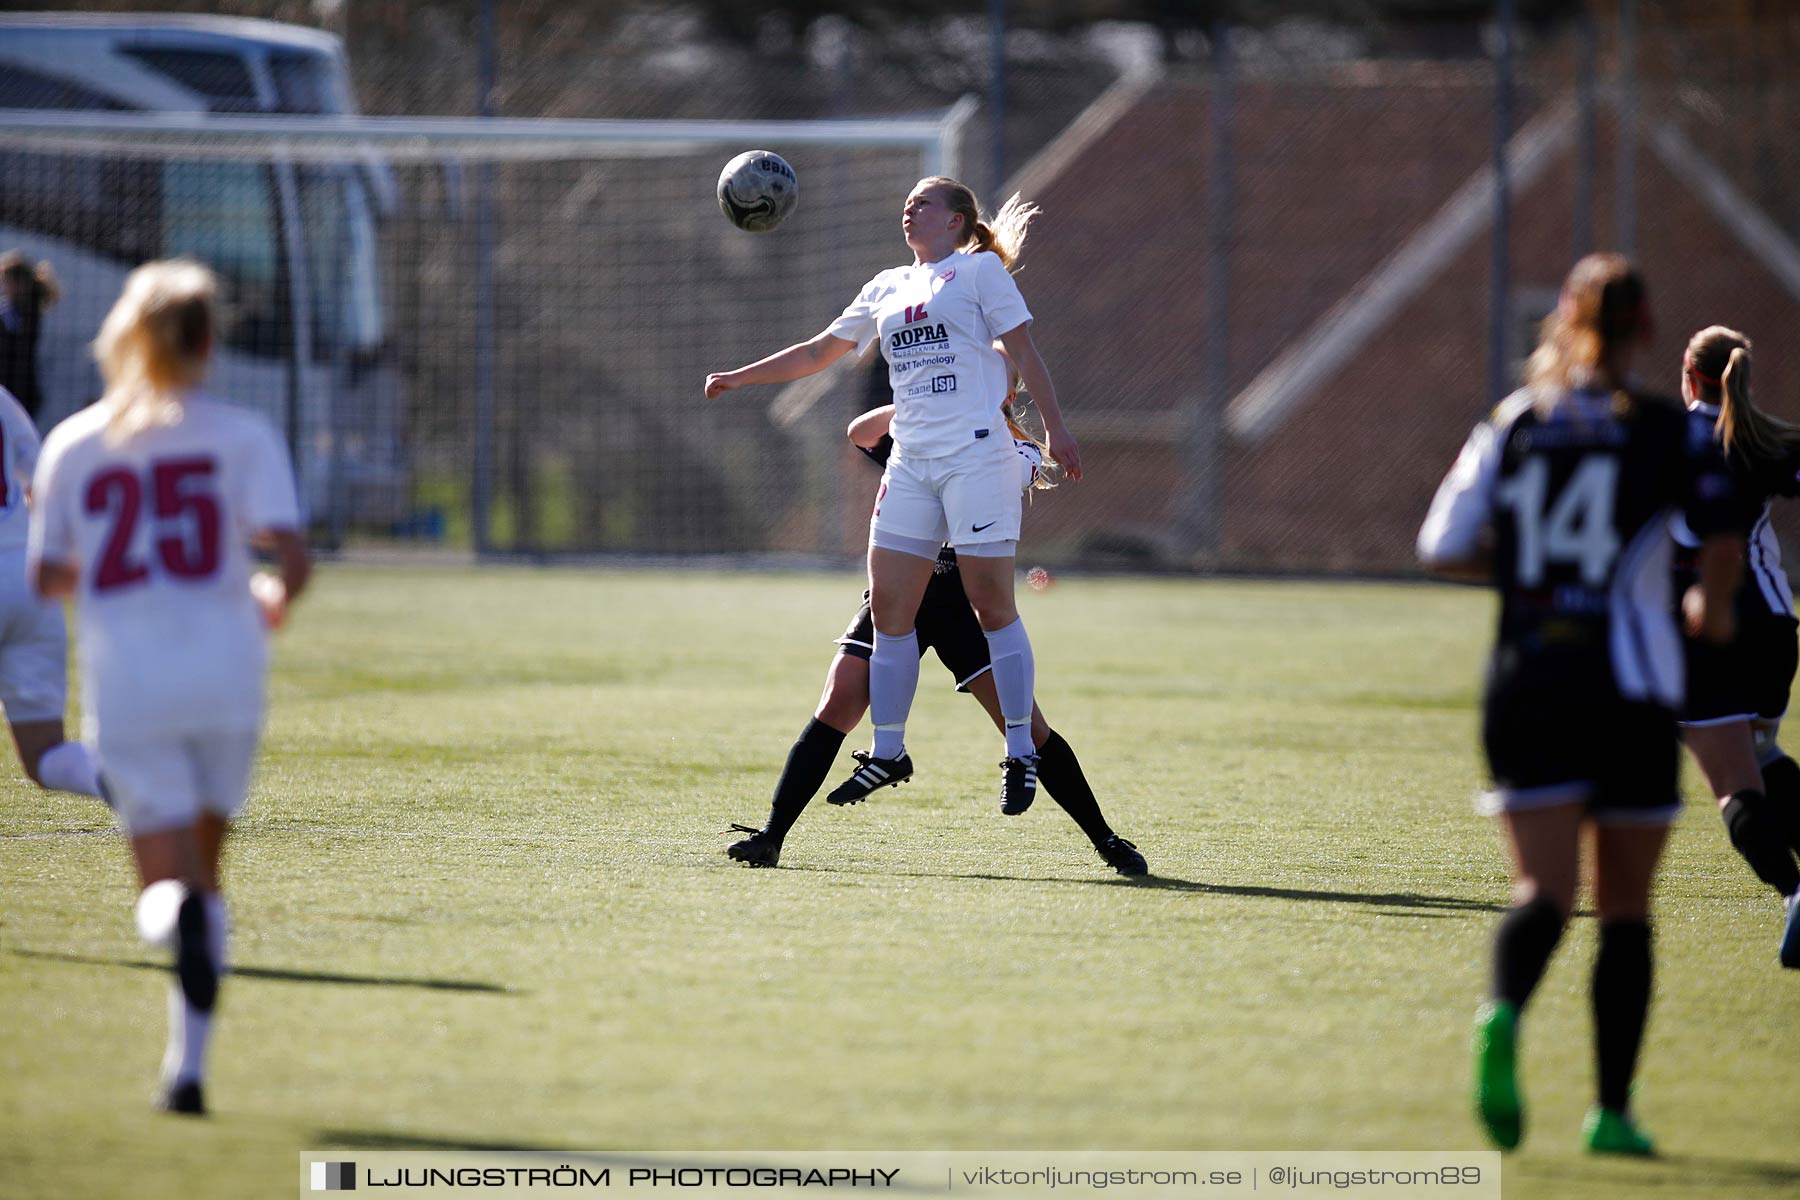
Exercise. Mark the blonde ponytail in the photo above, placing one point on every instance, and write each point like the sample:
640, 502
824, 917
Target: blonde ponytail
1718, 371
1012, 409
1003, 234
1602, 309
154, 345
1737, 426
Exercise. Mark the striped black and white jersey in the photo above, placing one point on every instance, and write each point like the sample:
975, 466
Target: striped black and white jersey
1577, 498
1765, 590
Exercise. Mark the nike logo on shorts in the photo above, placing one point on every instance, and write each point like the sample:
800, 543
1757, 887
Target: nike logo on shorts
979, 528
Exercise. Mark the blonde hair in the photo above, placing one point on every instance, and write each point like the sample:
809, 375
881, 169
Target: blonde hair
1717, 364
1601, 310
1004, 234
154, 344
1049, 472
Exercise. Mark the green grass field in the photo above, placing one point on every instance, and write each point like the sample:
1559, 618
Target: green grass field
480, 898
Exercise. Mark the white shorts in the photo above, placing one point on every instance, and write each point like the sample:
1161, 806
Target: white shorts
34, 655
164, 783
966, 499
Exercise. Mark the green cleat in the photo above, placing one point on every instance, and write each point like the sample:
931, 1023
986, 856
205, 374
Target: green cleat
1497, 1101
1607, 1131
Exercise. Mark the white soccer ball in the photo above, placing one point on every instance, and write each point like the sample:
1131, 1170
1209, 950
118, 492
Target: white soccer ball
757, 190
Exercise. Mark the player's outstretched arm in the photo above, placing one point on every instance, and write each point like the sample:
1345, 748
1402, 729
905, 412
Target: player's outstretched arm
1024, 354
796, 362
274, 593
867, 430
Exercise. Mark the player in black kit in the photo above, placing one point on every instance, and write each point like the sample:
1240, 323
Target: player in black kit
1737, 694
1562, 499
947, 624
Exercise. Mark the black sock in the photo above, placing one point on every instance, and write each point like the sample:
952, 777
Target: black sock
1781, 783
1060, 774
1523, 945
1760, 838
1621, 1005
808, 763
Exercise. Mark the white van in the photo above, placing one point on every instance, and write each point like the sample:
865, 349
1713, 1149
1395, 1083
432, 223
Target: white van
305, 338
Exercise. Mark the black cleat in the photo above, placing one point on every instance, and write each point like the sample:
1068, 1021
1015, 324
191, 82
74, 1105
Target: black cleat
193, 958
1018, 784
184, 1099
1122, 856
760, 849
872, 774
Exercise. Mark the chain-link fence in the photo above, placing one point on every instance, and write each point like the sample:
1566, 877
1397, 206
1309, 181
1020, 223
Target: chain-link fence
489, 335
1263, 278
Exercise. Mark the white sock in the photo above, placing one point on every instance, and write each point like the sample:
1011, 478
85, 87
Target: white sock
893, 680
1015, 673
190, 1028
70, 767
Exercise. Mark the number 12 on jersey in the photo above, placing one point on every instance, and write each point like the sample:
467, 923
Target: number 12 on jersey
1577, 529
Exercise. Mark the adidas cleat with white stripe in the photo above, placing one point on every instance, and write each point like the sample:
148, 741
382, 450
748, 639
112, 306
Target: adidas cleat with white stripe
1018, 784
872, 774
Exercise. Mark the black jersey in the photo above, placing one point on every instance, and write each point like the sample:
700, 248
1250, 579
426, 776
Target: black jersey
1765, 591
1578, 501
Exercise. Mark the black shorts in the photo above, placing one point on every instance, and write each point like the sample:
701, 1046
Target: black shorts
1558, 732
945, 623
1746, 680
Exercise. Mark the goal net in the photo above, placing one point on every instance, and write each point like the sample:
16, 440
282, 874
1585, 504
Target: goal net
491, 334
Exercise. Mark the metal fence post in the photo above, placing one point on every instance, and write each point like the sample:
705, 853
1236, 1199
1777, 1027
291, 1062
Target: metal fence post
481, 485
1625, 187
1500, 265
1203, 519
1582, 220
997, 92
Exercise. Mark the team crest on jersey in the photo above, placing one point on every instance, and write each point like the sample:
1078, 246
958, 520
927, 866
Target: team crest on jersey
938, 282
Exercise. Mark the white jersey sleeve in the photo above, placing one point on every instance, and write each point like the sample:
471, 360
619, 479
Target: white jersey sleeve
271, 500
1464, 504
1002, 307
22, 443
857, 323
19, 443
53, 534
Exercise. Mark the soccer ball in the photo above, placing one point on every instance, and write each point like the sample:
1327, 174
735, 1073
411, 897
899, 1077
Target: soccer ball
757, 190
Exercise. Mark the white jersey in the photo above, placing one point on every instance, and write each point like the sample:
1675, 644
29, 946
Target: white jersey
19, 444
937, 323
171, 642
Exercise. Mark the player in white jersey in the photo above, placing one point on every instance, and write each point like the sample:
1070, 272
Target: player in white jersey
34, 649
145, 508
952, 477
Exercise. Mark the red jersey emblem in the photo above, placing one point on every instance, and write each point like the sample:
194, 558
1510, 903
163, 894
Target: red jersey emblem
947, 276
